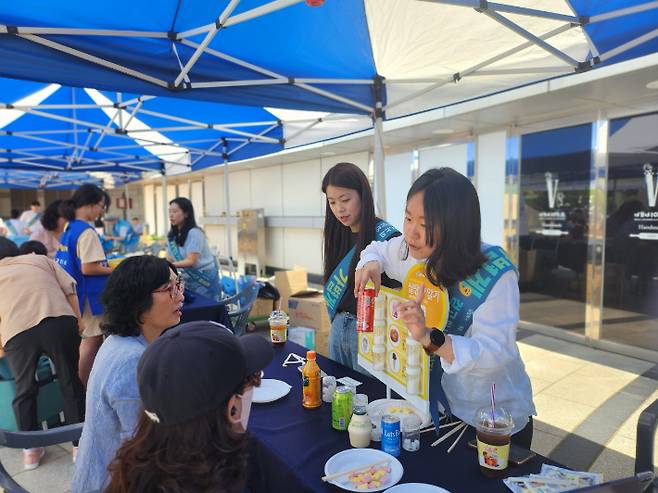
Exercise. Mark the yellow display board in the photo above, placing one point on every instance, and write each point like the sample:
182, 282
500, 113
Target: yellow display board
405, 367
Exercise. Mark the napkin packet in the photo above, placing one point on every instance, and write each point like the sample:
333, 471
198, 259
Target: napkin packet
552, 479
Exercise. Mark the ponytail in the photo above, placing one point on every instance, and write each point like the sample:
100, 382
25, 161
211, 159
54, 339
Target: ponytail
67, 210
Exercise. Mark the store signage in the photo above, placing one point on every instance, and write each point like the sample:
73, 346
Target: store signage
647, 221
552, 221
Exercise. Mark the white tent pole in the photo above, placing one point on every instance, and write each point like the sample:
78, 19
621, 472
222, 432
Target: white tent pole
85, 32
625, 11
531, 37
379, 157
120, 112
629, 45
469, 71
249, 141
165, 202
126, 194
214, 29
93, 59
510, 9
227, 206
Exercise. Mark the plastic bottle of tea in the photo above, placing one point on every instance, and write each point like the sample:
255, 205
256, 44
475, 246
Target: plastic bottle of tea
311, 382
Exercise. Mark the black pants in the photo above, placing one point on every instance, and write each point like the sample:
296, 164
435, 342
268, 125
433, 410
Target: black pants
57, 338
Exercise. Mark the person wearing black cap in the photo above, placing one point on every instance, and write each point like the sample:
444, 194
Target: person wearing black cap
196, 383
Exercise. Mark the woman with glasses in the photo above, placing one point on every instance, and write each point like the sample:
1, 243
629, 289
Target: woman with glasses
187, 249
81, 254
142, 298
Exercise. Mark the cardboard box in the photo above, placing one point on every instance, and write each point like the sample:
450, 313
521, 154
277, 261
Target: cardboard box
292, 283
311, 311
262, 308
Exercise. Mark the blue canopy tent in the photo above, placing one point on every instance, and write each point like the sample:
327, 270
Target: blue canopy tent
383, 59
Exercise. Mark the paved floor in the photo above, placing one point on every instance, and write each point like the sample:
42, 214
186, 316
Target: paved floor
588, 402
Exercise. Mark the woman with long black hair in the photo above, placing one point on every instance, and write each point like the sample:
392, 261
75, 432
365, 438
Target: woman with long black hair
477, 347
350, 225
81, 255
187, 249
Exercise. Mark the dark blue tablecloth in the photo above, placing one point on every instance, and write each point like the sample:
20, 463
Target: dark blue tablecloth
202, 308
294, 443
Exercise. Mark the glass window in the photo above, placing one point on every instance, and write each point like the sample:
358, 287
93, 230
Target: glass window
553, 226
630, 314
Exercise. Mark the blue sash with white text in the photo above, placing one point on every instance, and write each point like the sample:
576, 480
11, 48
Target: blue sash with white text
465, 297
336, 285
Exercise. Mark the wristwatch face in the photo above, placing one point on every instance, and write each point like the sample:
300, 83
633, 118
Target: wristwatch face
437, 337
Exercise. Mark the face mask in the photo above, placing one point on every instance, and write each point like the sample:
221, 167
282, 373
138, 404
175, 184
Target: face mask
246, 407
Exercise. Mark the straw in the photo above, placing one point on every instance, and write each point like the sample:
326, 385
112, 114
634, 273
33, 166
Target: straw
331, 477
493, 403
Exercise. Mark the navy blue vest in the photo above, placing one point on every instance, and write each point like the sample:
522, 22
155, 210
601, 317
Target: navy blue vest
89, 287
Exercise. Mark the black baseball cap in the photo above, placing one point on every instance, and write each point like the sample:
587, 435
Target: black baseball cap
195, 367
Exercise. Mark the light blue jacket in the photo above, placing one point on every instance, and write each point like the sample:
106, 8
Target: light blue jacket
113, 408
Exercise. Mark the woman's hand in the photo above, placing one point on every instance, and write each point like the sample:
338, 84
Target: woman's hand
413, 316
81, 326
371, 271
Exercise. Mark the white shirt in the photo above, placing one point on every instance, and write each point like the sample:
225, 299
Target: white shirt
27, 216
487, 353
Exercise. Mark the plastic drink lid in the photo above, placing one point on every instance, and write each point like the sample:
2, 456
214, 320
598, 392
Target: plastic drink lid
310, 355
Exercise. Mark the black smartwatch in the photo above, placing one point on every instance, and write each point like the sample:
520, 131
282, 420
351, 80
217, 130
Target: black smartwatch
437, 339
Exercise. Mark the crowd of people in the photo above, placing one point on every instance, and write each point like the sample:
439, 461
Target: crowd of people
124, 361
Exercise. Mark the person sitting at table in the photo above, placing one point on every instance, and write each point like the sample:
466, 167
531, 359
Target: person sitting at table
191, 437
138, 227
50, 228
17, 230
31, 217
122, 234
187, 249
142, 298
349, 226
80, 253
442, 230
39, 314
31, 246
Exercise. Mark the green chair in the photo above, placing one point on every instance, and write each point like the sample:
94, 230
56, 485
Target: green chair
49, 400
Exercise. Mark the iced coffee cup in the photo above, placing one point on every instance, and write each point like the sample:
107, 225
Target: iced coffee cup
493, 432
278, 327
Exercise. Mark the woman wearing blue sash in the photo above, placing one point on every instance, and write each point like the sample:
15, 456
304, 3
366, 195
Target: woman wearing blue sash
350, 224
17, 230
477, 348
188, 250
81, 254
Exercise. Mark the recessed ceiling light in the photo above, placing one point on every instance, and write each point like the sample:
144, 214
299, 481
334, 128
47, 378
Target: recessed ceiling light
653, 84
443, 131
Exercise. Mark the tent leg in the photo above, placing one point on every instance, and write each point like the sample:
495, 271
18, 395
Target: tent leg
227, 227
165, 203
378, 158
126, 194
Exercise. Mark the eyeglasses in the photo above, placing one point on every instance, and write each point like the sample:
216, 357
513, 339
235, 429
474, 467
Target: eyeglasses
175, 288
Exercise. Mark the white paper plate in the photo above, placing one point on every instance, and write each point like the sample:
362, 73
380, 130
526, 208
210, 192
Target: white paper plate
270, 390
416, 488
351, 458
384, 406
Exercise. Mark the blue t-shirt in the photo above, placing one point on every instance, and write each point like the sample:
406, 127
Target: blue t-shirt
196, 243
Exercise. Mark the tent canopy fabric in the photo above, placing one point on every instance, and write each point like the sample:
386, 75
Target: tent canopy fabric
50, 127
284, 54
69, 180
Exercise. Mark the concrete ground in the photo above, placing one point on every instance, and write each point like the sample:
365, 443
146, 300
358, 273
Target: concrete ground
588, 402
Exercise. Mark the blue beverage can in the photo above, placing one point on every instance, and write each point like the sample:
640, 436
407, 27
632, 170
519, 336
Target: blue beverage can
391, 435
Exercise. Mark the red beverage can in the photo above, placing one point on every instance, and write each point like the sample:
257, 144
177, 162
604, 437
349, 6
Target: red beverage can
365, 311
